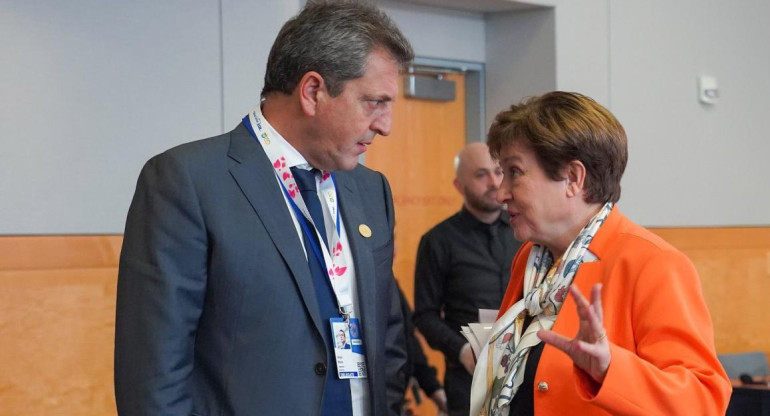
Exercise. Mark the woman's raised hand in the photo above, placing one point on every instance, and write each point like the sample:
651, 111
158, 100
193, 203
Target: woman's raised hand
589, 350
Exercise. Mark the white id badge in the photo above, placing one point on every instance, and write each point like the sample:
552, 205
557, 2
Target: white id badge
349, 349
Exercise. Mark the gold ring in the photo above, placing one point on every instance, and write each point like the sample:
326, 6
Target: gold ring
603, 336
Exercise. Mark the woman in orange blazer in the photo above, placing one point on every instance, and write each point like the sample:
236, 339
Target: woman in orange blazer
643, 343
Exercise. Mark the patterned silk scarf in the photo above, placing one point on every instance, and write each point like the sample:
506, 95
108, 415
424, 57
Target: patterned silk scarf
500, 369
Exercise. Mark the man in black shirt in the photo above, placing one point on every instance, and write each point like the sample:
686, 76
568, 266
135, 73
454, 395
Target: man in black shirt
463, 265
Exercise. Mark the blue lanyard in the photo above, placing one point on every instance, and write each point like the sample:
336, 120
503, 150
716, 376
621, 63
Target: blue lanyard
303, 222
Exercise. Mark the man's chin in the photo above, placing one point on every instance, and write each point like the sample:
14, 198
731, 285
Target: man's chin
493, 207
347, 164
334, 164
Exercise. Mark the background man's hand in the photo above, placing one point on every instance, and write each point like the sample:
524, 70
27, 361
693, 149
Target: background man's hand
467, 359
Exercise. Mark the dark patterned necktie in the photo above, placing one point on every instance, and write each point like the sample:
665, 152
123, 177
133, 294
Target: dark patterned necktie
336, 400
305, 180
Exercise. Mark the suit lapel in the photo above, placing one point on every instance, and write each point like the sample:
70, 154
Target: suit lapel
256, 179
353, 216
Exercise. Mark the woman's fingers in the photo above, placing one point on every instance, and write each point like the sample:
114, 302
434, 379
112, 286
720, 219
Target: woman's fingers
596, 300
591, 327
589, 350
559, 341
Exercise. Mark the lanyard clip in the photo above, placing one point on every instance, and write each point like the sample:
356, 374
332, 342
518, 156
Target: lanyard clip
345, 313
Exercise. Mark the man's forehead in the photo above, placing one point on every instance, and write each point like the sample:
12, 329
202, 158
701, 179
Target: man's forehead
476, 157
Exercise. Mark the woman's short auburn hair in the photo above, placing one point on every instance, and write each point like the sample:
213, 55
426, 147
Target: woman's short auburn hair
564, 126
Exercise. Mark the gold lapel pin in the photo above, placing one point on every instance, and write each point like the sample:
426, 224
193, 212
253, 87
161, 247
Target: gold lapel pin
365, 230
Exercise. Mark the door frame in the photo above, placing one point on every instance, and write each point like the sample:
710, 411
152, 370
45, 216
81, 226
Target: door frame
475, 93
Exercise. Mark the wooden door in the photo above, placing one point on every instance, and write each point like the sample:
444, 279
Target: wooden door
417, 159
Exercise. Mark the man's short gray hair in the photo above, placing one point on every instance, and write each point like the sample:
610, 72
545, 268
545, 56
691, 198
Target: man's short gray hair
333, 38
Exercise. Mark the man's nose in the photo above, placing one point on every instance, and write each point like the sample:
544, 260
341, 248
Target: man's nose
381, 125
492, 182
502, 195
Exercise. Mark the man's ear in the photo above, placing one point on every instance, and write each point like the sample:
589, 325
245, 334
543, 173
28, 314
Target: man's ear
458, 186
575, 174
311, 89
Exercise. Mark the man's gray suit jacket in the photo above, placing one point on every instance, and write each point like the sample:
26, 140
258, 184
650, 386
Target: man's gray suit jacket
216, 310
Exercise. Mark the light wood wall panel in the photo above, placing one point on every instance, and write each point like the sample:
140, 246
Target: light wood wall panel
57, 309
59, 252
57, 319
734, 267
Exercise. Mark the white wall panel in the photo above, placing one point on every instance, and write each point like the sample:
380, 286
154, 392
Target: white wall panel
692, 164
521, 57
90, 90
439, 32
249, 29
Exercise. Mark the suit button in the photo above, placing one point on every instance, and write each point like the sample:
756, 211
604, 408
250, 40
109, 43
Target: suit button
542, 387
320, 369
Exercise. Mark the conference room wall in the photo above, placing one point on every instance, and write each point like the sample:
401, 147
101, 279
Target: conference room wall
92, 89
693, 164
690, 164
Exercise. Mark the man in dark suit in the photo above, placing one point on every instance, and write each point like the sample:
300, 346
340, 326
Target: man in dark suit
243, 251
